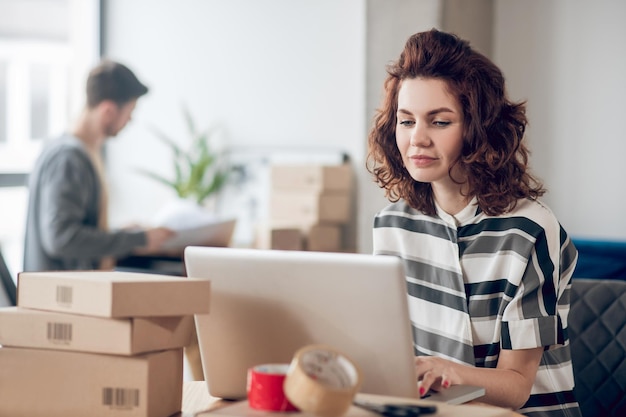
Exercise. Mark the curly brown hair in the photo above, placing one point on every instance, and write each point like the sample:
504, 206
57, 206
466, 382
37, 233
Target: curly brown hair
494, 155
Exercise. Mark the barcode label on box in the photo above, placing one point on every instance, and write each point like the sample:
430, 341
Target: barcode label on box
120, 397
60, 332
64, 294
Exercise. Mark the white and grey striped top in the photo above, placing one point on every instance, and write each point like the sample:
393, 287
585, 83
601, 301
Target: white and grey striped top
478, 284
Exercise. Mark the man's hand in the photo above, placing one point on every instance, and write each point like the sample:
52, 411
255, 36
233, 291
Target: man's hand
155, 238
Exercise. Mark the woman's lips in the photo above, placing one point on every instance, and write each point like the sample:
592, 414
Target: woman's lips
422, 160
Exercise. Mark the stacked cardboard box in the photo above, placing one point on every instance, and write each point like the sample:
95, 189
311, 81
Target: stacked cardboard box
309, 207
97, 343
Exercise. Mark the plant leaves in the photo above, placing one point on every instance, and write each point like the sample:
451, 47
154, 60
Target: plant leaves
167, 140
157, 177
198, 171
191, 126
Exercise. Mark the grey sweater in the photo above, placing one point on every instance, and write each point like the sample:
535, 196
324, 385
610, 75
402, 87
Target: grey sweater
62, 223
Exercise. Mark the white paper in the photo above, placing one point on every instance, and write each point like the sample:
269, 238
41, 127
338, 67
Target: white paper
194, 225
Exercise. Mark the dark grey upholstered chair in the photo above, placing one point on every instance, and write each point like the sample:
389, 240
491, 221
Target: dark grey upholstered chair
7, 285
597, 331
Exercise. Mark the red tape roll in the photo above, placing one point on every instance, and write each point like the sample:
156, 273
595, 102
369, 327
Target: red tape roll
265, 388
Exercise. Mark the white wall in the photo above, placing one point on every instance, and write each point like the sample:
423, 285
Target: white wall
567, 58
472, 20
388, 29
309, 74
275, 73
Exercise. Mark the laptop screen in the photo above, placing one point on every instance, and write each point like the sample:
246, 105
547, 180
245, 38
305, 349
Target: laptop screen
267, 304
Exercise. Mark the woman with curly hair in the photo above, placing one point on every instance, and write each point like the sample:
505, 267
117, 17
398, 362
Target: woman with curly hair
488, 266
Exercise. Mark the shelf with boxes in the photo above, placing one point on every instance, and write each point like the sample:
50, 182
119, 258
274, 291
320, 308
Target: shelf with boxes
309, 208
97, 343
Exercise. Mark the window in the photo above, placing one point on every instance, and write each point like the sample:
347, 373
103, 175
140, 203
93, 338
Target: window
3, 103
46, 50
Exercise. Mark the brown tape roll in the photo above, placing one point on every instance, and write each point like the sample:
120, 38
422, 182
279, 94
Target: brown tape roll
322, 381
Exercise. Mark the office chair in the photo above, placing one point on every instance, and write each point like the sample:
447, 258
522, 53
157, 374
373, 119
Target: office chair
597, 333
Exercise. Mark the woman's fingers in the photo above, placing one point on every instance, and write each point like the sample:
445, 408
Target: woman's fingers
431, 374
426, 382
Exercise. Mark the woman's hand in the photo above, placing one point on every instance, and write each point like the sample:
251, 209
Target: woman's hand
435, 373
507, 385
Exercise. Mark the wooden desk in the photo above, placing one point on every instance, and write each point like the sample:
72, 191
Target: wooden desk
198, 403
196, 399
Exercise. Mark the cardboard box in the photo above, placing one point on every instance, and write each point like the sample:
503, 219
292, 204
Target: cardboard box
324, 238
23, 327
318, 178
113, 294
309, 208
52, 383
278, 237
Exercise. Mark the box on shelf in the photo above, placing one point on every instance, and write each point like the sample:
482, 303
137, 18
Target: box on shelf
312, 177
324, 238
21, 327
52, 383
270, 236
307, 209
113, 294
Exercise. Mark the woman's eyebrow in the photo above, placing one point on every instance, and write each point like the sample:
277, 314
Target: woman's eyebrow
430, 113
440, 110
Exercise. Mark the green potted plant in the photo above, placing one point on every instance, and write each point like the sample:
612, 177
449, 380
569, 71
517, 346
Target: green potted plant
200, 172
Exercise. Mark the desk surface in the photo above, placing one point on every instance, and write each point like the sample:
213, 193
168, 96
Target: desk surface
198, 403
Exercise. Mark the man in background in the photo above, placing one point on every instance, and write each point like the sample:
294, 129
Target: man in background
67, 222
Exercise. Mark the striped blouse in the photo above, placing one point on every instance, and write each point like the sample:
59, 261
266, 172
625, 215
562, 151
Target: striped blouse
478, 284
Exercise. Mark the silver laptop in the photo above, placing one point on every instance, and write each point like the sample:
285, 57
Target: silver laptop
266, 304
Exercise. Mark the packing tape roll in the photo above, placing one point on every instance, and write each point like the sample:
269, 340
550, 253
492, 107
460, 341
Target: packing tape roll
322, 381
265, 388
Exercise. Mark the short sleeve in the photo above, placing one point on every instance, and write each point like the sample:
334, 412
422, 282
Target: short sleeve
537, 313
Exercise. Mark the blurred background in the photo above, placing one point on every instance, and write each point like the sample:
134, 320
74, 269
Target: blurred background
299, 81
